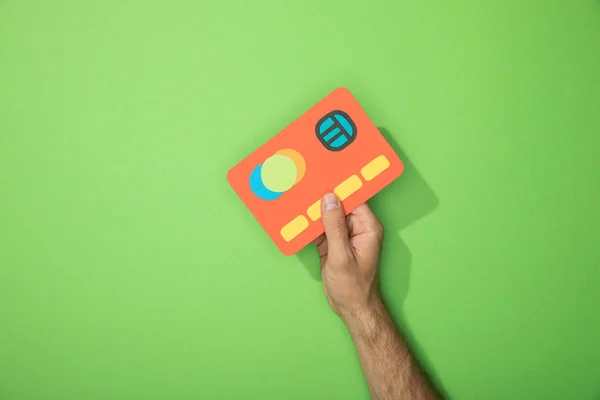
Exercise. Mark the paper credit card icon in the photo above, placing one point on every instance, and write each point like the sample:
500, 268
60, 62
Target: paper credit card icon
333, 147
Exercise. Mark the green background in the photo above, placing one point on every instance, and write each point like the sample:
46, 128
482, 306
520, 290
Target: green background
130, 270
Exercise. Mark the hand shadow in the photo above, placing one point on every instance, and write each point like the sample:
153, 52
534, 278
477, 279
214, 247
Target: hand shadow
404, 201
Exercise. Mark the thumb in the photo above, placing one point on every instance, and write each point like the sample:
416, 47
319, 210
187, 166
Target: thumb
334, 221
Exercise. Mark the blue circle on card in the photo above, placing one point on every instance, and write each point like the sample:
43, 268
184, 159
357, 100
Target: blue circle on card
258, 187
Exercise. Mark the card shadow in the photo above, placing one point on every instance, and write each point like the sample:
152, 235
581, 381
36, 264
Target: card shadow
405, 201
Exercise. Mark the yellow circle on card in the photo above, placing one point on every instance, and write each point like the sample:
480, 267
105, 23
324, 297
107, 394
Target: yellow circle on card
279, 173
297, 159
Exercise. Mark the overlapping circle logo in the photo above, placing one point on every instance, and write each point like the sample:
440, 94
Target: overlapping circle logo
277, 174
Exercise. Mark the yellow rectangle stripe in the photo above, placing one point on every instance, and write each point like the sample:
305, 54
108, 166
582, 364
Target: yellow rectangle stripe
294, 228
375, 167
314, 211
349, 186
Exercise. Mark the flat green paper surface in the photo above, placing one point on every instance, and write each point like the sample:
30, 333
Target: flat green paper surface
130, 270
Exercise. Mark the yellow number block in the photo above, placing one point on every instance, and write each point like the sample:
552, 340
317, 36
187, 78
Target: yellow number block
349, 186
294, 228
314, 211
375, 167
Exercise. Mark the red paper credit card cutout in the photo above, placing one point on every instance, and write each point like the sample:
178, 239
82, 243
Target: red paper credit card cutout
333, 147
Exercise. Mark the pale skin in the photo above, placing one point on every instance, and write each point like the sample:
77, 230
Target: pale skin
349, 251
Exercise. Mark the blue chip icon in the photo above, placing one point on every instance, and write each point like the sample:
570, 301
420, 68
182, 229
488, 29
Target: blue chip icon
336, 130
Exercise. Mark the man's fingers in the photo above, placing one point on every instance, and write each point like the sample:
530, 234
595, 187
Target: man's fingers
319, 240
364, 211
366, 218
334, 221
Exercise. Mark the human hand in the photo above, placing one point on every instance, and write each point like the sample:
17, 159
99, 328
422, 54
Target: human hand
349, 251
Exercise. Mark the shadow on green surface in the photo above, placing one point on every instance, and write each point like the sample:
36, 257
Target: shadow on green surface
400, 204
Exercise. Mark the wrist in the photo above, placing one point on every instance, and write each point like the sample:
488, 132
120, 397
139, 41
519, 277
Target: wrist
361, 316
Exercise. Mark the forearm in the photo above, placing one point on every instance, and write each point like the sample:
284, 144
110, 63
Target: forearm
390, 370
